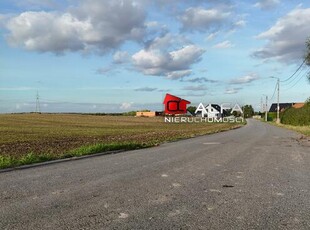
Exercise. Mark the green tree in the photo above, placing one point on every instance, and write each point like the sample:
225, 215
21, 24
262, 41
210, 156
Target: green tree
248, 111
307, 57
237, 114
130, 113
192, 109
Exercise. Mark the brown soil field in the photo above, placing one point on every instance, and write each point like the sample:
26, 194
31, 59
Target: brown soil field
57, 134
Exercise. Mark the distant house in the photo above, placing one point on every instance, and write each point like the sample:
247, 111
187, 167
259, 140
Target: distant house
148, 114
213, 111
298, 105
284, 106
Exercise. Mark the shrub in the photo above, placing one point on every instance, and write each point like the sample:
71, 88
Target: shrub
272, 116
297, 117
6, 161
269, 118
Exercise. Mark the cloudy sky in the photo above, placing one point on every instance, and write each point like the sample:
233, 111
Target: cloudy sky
121, 55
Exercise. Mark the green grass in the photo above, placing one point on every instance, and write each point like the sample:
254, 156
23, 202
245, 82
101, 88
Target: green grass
34, 138
97, 148
305, 130
31, 158
301, 129
7, 161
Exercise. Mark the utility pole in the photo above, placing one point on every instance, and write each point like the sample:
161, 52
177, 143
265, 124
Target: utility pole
266, 112
278, 99
278, 106
38, 109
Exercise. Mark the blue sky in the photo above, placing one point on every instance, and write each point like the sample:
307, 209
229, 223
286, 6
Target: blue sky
114, 56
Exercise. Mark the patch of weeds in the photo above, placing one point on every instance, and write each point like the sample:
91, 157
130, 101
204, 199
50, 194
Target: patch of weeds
101, 147
32, 158
7, 161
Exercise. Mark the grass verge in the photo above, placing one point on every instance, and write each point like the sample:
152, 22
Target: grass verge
305, 130
32, 158
301, 129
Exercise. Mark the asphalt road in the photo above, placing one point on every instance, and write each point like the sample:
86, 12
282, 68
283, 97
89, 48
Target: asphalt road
255, 177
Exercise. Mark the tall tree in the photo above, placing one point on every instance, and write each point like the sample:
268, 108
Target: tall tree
307, 57
248, 111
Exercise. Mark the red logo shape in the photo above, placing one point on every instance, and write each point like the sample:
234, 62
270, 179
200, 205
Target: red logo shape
175, 105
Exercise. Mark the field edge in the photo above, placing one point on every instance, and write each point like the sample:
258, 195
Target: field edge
8, 163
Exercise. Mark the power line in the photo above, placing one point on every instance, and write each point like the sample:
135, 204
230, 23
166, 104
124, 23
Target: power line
278, 87
297, 81
294, 78
274, 92
295, 71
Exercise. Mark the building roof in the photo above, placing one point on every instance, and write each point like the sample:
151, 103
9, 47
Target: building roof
284, 106
298, 105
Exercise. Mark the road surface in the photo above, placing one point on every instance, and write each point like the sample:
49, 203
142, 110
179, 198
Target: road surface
255, 177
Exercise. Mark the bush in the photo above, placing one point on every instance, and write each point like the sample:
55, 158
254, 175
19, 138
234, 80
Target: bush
269, 118
297, 117
272, 116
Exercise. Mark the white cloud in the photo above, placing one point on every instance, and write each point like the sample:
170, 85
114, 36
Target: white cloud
157, 60
126, 105
178, 74
267, 4
232, 91
244, 79
152, 24
240, 23
185, 56
146, 89
224, 45
201, 80
165, 41
211, 36
150, 62
91, 26
195, 88
198, 18
286, 39
121, 57
64, 32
